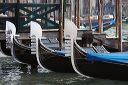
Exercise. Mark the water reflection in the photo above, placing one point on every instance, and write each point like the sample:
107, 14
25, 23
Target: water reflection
13, 73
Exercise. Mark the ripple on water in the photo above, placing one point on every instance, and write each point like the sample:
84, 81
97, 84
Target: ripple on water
13, 73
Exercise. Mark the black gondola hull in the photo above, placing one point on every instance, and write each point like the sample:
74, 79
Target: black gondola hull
5, 50
53, 61
99, 69
57, 64
23, 54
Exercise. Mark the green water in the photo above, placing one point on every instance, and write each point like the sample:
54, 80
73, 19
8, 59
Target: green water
13, 73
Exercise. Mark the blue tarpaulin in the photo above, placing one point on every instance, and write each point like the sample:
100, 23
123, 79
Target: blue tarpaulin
60, 53
121, 57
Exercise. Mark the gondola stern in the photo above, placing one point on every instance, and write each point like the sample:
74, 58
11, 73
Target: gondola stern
36, 34
73, 60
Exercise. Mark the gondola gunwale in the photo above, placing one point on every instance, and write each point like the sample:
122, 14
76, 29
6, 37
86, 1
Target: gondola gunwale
54, 56
123, 66
24, 47
47, 49
20, 44
85, 53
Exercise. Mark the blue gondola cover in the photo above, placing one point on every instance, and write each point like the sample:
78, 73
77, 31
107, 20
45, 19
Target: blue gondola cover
120, 57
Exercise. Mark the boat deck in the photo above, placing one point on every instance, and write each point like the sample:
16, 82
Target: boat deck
52, 43
100, 49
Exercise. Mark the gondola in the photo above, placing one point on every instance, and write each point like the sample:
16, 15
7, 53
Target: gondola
21, 52
54, 60
49, 55
100, 65
5, 44
3, 49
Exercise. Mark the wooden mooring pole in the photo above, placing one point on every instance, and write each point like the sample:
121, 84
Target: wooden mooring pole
100, 15
90, 14
119, 22
61, 11
75, 12
78, 13
116, 16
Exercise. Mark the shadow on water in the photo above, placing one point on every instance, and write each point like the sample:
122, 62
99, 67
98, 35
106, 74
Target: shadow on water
13, 73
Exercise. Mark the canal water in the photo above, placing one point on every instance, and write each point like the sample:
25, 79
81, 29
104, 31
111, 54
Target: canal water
112, 31
13, 73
